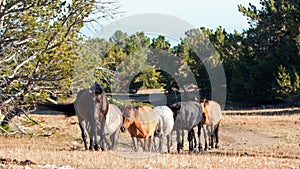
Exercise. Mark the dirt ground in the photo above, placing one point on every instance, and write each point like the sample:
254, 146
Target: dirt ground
246, 142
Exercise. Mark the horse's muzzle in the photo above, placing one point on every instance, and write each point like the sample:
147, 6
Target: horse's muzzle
123, 129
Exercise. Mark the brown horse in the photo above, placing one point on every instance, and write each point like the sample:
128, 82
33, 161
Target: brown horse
212, 115
141, 122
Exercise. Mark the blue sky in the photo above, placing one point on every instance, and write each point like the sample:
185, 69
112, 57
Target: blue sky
198, 13
207, 13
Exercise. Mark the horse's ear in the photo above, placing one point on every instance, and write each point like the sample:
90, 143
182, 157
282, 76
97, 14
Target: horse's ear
205, 102
135, 107
178, 105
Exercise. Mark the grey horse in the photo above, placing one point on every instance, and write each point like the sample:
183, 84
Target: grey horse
187, 115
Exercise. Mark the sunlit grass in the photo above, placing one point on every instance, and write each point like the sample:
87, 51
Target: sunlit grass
246, 142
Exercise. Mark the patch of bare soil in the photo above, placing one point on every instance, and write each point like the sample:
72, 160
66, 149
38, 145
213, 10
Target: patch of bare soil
246, 142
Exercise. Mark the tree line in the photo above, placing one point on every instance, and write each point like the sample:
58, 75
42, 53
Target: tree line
261, 64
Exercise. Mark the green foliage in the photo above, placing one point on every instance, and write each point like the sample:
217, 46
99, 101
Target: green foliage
147, 79
43, 55
4, 128
270, 42
38, 41
288, 83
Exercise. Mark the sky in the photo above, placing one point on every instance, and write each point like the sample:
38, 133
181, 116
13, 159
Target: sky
198, 13
207, 13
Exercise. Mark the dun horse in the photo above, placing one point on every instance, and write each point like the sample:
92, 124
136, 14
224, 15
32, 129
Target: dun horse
212, 114
187, 116
90, 106
165, 125
140, 122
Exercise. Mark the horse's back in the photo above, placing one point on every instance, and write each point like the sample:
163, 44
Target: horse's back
83, 104
165, 116
147, 119
213, 111
113, 119
145, 114
216, 112
190, 115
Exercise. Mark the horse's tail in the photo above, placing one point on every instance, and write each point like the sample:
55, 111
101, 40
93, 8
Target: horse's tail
66, 109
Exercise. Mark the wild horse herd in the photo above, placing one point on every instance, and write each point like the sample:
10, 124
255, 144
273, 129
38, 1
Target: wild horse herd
103, 122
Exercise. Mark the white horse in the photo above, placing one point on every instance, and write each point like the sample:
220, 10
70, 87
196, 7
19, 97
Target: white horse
165, 125
114, 119
113, 122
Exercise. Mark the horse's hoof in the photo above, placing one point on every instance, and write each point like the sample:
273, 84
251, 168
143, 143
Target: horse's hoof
196, 151
217, 146
96, 147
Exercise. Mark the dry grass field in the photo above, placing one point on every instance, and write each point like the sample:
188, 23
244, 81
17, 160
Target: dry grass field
246, 142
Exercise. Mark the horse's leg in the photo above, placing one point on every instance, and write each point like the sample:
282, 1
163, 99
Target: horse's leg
195, 141
83, 134
191, 134
178, 140
145, 143
108, 142
102, 124
150, 140
199, 136
169, 140
94, 142
113, 138
182, 139
116, 140
106, 139
205, 138
154, 144
217, 135
148, 144
160, 143
211, 136
134, 142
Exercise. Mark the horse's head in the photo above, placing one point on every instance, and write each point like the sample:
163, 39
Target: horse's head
97, 88
128, 117
175, 109
99, 97
205, 106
